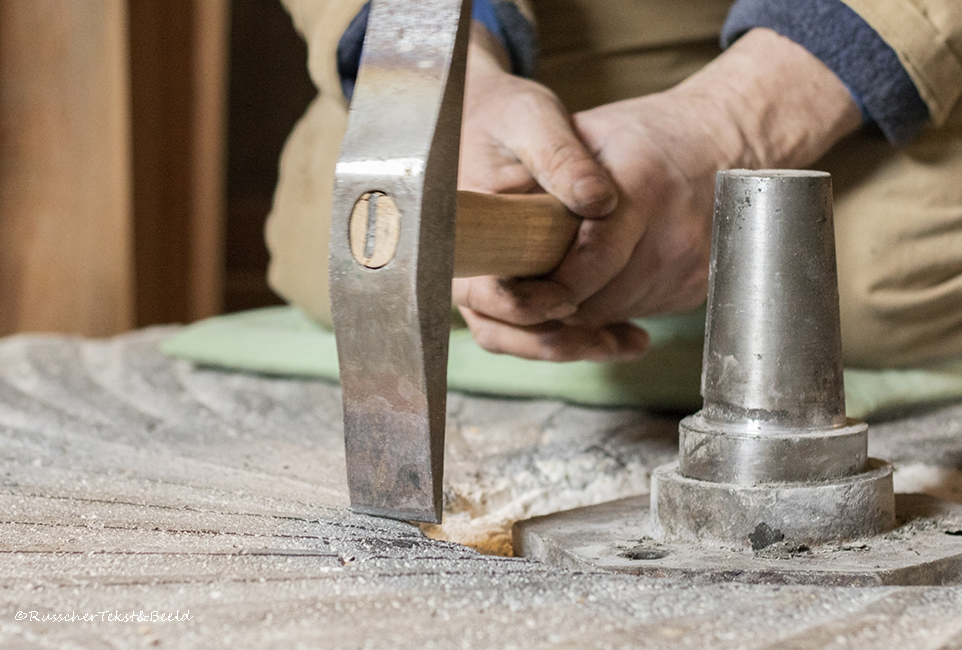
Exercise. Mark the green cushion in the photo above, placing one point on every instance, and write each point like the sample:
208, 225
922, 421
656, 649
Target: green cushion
282, 341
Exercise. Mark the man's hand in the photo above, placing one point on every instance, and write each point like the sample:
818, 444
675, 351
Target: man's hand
766, 102
518, 138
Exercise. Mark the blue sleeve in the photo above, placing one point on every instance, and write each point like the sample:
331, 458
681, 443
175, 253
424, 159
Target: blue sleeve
844, 42
500, 17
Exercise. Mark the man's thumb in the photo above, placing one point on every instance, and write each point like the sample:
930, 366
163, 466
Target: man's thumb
563, 166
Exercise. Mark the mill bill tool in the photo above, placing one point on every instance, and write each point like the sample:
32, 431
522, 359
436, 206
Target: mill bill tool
773, 483
395, 247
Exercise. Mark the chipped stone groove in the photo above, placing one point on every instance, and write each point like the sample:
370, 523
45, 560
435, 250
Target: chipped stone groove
448, 596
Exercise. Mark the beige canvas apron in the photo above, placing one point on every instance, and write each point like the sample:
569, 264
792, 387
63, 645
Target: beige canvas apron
898, 211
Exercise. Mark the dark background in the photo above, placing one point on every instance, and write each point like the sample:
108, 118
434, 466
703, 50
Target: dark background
269, 89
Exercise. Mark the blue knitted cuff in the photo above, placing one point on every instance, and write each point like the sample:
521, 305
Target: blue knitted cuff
844, 42
519, 36
483, 12
500, 17
349, 51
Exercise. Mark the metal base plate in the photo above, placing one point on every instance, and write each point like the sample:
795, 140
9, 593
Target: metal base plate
924, 549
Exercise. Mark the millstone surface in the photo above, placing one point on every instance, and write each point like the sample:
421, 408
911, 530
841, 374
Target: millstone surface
129, 481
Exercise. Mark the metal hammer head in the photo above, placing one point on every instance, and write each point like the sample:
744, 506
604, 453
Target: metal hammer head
395, 197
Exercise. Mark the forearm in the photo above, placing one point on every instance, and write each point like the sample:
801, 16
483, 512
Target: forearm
486, 54
875, 74
768, 103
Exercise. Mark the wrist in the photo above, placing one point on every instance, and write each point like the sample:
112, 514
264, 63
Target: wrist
486, 53
775, 105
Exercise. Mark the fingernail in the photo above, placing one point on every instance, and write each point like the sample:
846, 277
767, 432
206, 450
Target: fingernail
634, 346
594, 195
619, 346
604, 347
563, 310
632, 354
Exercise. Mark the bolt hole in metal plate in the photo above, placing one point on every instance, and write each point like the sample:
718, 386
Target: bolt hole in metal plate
641, 553
924, 549
375, 229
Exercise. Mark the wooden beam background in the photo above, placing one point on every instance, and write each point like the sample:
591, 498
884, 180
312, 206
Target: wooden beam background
65, 228
178, 60
112, 139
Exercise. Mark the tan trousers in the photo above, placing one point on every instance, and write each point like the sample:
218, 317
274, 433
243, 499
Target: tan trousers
898, 211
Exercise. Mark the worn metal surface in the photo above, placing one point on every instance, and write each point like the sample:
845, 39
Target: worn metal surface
805, 513
925, 549
739, 453
128, 481
392, 322
772, 344
771, 451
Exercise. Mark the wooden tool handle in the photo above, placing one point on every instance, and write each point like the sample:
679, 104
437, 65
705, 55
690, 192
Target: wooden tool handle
511, 235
